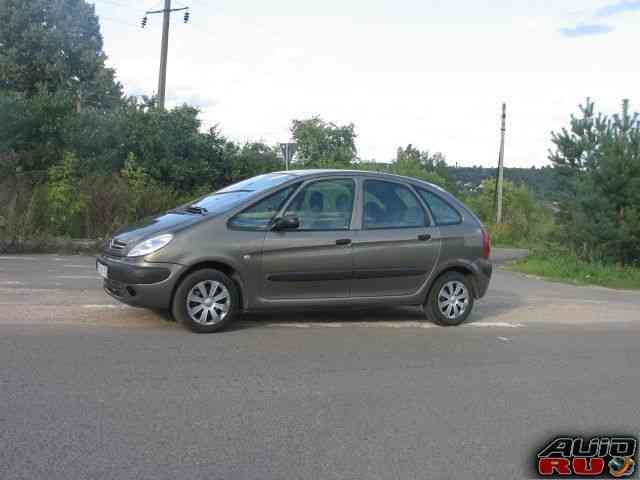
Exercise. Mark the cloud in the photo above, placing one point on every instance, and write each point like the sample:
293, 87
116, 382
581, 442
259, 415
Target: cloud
622, 6
586, 30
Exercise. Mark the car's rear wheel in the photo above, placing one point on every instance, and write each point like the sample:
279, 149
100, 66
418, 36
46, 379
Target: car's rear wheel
450, 300
206, 301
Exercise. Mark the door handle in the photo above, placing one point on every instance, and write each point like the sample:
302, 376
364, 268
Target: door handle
343, 241
424, 237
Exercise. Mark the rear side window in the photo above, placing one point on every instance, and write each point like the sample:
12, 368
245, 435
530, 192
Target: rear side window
443, 212
259, 216
391, 205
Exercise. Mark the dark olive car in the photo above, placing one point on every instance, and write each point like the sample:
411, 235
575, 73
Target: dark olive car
304, 239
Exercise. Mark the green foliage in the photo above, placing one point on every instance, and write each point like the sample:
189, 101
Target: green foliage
597, 160
31, 128
324, 145
252, 159
55, 44
144, 195
560, 264
66, 203
541, 181
412, 162
23, 212
526, 221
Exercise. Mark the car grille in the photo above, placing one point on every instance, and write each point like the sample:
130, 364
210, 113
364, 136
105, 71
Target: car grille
116, 248
117, 245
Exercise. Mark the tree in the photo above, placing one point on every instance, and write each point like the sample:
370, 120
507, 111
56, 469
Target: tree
324, 145
598, 161
411, 162
253, 159
56, 44
31, 129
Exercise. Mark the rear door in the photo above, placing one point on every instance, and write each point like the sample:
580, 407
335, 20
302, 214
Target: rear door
398, 245
314, 260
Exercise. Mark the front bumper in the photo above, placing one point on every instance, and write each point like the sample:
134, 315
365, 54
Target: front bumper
138, 283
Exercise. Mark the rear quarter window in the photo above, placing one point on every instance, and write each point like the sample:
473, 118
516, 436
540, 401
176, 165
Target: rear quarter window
443, 212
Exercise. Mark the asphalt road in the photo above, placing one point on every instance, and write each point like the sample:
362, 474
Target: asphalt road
90, 389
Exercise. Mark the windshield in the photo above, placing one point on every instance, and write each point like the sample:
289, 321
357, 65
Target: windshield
259, 183
233, 195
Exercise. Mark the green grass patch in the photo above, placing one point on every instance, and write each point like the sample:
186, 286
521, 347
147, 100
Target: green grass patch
568, 268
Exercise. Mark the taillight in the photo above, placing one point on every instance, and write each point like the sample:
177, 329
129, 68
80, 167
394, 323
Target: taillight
486, 244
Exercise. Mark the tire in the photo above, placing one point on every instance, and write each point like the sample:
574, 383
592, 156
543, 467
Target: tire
213, 291
440, 309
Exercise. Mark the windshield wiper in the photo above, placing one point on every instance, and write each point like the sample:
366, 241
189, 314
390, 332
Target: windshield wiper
196, 209
233, 191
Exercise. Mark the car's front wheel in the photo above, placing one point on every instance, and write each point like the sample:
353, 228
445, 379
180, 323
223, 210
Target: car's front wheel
206, 301
450, 300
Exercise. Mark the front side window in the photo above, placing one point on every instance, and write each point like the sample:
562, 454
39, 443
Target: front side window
443, 213
391, 205
324, 205
259, 216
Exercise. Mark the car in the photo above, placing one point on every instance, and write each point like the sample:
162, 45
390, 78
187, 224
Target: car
304, 239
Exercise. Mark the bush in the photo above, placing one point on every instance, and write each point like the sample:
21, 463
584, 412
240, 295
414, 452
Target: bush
525, 221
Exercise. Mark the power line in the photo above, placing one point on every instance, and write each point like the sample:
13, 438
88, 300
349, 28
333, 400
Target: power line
113, 2
116, 20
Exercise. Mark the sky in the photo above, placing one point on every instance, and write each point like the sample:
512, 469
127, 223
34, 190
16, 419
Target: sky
432, 73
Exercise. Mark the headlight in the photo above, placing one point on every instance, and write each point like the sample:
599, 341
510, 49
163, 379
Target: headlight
150, 246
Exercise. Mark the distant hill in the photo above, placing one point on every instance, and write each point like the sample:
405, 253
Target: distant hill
539, 180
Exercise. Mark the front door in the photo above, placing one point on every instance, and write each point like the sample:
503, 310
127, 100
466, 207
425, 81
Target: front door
314, 260
397, 247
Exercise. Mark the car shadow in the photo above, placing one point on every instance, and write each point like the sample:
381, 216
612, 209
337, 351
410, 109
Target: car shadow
493, 306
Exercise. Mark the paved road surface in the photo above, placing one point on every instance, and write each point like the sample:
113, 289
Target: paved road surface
90, 389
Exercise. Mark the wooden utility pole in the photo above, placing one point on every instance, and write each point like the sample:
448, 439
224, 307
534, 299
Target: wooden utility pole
164, 47
162, 80
500, 178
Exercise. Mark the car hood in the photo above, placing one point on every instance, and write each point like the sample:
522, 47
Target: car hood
169, 222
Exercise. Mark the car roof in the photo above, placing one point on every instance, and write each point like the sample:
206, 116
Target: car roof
336, 171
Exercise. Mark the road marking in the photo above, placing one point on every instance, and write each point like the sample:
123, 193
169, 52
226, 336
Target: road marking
80, 266
504, 339
2, 257
11, 282
352, 324
78, 277
105, 306
397, 324
493, 324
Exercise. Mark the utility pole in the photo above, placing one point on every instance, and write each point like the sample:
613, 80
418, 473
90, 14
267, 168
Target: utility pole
164, 48
500, 178
162, 79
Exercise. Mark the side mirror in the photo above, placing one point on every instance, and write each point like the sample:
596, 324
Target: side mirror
288, 222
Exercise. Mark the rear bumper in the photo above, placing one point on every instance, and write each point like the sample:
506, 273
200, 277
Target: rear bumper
138, 283
482, 270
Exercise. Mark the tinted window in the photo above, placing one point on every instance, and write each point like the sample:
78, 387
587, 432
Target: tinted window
324, 205
259, 216
443, 213
391, 205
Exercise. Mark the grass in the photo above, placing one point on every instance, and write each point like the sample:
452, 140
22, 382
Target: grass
570, 269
